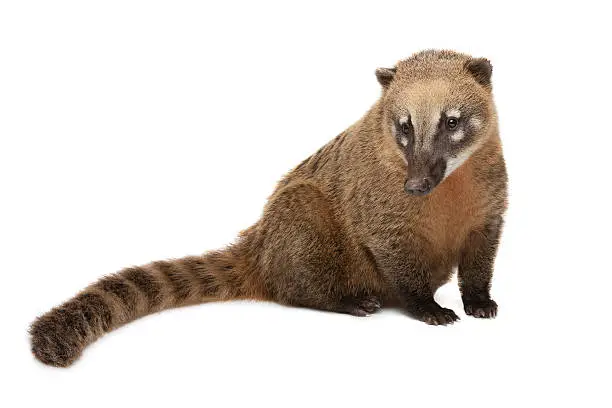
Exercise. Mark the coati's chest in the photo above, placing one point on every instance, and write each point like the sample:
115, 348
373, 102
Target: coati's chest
456, 207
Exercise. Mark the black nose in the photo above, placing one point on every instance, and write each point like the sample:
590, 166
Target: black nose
419, 186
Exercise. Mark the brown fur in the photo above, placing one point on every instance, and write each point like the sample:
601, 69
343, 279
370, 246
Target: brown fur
339, 233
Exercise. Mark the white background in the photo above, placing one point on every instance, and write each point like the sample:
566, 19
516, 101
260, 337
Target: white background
134, 131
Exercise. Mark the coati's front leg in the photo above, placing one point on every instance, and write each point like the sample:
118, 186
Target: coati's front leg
476, 269
419, 301
408, 269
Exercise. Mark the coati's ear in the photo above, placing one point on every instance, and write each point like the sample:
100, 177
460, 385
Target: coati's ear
481, 70
385, 76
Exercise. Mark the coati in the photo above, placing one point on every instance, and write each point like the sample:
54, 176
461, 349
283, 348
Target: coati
379, 215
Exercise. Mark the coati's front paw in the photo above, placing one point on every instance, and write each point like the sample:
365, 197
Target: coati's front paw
484, 308
432, 313
439, 316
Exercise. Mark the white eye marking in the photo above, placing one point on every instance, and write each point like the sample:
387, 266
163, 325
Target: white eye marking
435, 118
404, 141
454, 113
458, 135
475, 122
403, 120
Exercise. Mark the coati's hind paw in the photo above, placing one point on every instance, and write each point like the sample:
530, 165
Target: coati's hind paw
361, 306
480, 308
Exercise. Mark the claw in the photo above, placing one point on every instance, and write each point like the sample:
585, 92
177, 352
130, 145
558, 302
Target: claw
480, 308
362, 306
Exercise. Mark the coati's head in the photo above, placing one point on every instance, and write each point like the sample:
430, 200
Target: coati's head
437, 110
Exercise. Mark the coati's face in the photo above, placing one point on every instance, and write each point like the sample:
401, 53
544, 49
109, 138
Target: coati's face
436, 117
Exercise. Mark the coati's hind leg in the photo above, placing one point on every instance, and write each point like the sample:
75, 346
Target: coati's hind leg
303, 259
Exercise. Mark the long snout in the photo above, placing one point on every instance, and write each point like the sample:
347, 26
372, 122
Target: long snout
419, 186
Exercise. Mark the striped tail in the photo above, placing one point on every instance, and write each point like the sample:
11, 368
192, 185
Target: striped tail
59, 336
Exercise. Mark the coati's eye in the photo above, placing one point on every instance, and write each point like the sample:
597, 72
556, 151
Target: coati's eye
405, 127
452, 123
